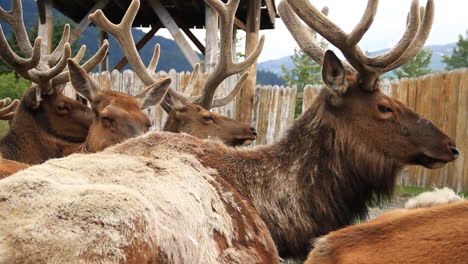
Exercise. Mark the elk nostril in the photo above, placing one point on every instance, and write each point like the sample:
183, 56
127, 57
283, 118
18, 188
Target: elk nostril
254, 132
454, 150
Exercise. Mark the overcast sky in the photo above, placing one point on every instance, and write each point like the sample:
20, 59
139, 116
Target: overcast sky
451, 20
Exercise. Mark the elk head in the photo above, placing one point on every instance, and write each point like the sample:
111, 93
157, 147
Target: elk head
184, 114
352, 95
117, 116
196, 120
58, 115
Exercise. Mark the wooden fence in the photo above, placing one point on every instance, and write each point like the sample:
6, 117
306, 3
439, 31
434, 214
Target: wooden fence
441, 98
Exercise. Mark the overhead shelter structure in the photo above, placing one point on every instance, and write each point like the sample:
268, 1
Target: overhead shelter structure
177, 16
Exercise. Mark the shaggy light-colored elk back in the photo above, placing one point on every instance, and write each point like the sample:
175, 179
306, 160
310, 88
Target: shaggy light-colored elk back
91, 208
436, 197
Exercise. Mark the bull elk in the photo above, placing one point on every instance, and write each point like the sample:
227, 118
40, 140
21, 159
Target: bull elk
46, 123
433, 234
191, 114
166, 197
117, 116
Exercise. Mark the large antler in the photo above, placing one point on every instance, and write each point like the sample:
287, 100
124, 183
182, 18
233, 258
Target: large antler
226, 64
122, 32
44, 70
369, 68
7, 110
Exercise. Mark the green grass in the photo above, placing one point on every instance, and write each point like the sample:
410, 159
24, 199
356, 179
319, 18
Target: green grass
417, 190
411, 190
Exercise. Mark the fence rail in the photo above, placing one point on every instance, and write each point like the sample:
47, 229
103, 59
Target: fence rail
441, 98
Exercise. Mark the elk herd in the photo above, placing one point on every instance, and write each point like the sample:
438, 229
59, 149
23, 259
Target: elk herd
105, 189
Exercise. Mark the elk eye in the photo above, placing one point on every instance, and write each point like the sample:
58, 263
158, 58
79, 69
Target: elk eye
385, 109
208, 118
106, 119
62, 108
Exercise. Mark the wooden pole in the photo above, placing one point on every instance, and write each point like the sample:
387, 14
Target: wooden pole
45, 31
211, 50
253, 28
84, 23
171, 25
104, 65
141, 43
193, 38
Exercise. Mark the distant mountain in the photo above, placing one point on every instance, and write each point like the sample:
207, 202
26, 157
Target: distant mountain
274, 66
436, 61
171, 55
269, 78
437, 52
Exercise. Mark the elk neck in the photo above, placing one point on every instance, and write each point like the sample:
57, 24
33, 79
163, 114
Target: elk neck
320, 172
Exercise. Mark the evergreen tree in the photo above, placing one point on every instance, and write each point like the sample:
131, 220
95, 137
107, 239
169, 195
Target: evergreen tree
305, 71
417, 66
459, 57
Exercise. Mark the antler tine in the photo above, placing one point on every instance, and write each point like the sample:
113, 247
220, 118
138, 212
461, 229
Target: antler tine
14, 17
305, 36
21, 65
193, 79
39, 77
55, 55
123, 33
218, 102
418, 43
155, 59
80, 54
366, 21
87, 66
378, 62
226, 65
5, 101
8, 112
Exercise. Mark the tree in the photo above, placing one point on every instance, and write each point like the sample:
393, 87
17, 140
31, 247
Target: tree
459, 57
417, 66
305, 71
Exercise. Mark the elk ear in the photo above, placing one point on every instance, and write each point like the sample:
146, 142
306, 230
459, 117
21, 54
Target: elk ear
154, 93
333, 75
82, 82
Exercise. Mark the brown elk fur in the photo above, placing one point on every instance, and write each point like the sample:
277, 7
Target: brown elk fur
197, 121
46, 130
425, 235
8, 167
333, 163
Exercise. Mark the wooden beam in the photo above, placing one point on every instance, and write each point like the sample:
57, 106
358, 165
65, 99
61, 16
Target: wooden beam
45, 30
171, 25
84, 23
193, 38
141, 43
248, 91
211, 28
104, 65
271, 10
240, 24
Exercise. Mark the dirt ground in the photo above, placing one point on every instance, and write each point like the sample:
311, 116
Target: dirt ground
397, 202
